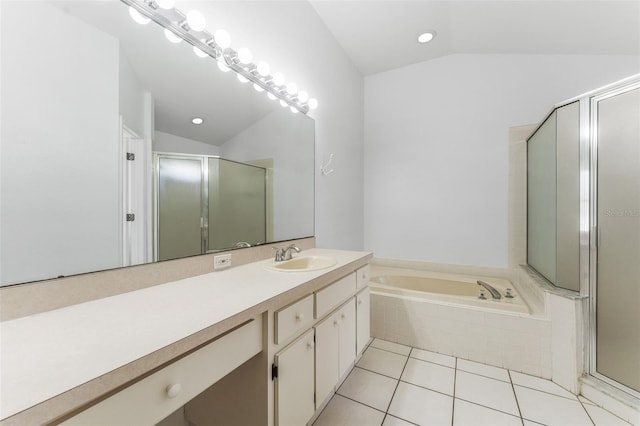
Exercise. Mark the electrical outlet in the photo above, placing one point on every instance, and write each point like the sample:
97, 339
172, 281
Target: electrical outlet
222, 261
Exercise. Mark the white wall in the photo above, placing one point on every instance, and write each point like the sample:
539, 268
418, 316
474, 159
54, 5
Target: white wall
436, 148
79, 142
132, 95
166, 142
293, 39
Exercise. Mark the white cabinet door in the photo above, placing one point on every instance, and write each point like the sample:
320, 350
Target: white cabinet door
363, 322
347, 328
294, 384
327, 356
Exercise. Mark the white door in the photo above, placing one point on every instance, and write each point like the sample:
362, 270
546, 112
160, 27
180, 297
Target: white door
347, 337
135, 212
327, 356
294, 384
363, 320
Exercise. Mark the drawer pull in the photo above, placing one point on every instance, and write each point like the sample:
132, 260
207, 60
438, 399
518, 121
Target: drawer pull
299, 317
173, 390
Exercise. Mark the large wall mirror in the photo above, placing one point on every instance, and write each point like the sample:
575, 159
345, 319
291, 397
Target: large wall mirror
83, 88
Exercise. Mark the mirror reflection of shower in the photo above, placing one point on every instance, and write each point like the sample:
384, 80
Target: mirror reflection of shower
205, 204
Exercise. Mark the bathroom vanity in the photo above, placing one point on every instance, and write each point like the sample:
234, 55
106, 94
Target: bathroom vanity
281, 340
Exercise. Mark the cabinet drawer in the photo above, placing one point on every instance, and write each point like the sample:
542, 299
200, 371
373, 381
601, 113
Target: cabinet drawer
292, 319
158, 395
362, 276
331, 296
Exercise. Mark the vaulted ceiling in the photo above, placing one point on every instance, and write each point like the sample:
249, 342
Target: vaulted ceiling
381, 35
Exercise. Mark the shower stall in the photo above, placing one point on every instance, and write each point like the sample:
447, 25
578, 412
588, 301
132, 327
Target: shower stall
583, 220
205, 204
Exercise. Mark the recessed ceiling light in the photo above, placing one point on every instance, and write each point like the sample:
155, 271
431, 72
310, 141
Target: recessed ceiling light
197, 120
426, 37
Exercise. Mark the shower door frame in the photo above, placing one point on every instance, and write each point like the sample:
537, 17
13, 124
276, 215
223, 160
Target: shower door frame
590, 188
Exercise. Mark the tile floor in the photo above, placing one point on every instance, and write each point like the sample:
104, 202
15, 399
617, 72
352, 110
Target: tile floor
396, 385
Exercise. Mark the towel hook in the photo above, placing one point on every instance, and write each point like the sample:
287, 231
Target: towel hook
323, 168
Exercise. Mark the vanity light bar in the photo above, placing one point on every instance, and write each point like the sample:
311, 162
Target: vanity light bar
175, 21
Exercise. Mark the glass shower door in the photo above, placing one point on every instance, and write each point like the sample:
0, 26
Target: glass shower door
180, 207
617, 329
237, 204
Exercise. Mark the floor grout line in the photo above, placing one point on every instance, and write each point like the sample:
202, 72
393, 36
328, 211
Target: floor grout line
396, 388
453, 403
492, 409
515, 396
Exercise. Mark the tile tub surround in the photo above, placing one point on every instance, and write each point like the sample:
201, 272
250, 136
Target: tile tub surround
56, 361
436, 389
503, 339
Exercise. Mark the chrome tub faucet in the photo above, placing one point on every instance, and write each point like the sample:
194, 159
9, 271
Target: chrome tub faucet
494, 293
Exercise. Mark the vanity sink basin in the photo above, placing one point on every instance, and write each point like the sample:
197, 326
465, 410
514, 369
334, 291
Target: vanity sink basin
303, 264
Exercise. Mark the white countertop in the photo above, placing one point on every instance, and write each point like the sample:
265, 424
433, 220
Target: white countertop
46, 354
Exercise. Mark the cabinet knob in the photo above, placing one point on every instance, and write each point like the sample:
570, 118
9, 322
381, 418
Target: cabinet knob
343, 315
173, 390
310, 345
299, 317
359, 301
335, 322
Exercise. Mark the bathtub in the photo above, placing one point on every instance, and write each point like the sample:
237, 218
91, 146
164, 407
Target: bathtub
441, 312
450, 288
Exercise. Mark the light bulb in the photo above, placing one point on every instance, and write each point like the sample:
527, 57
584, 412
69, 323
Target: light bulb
222, 38
242, 78
171, 36
292, 88
197, 120
223, 67
138, 17
294, 110
245, 56
263, 68
199, 53
166, 4
196, 20
303, 96
283, 103
271, 96
278, 79
257, 87
313, 103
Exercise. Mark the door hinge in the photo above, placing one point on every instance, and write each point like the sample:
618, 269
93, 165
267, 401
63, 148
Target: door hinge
274, 371
131, 217
131, 156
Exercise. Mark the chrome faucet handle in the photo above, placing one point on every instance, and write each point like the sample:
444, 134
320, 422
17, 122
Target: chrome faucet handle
279, 254
286, 252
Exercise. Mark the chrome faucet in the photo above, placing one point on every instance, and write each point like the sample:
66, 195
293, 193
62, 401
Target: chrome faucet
494, 293
242, 244
285, 253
